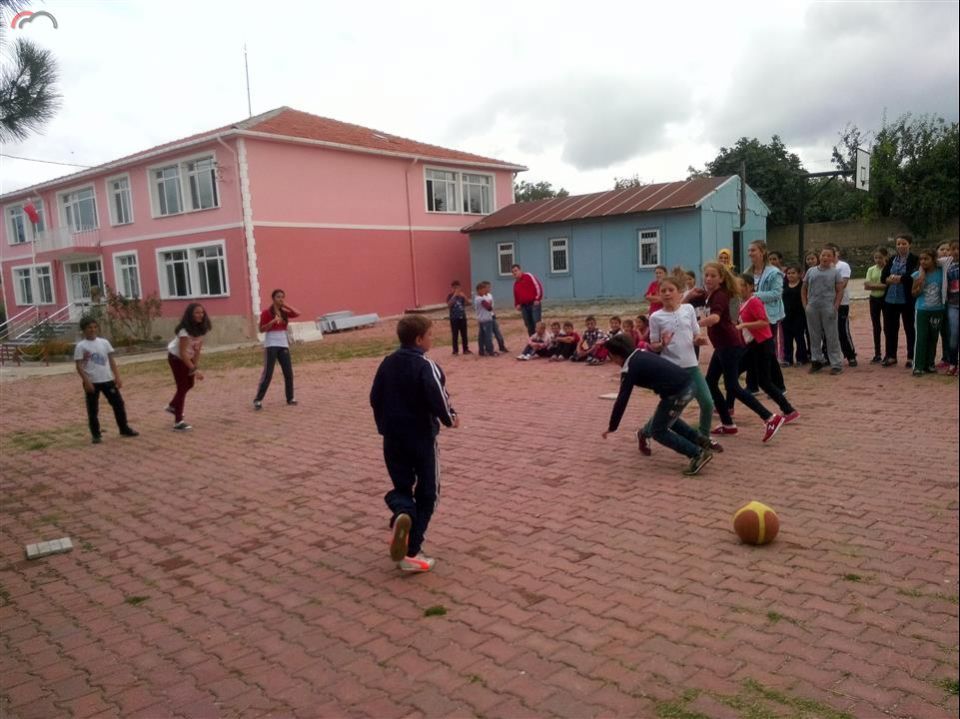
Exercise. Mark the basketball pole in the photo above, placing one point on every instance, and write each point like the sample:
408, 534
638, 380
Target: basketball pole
804, 200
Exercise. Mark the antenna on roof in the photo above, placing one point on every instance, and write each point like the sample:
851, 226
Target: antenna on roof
246, 68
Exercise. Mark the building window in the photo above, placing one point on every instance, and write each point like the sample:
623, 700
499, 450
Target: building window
167, 187
203, 183
121, 203
80, 210
476, 194
649, 248
459, 192
195, 271
26, 278
199, 174
128, 275
17, 224
559, 255
504, 258
441, 191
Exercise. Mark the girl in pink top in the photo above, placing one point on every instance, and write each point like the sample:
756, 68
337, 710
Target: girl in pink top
653, 290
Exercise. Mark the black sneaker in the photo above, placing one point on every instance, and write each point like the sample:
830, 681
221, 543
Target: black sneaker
698, 462
292, 402
257, 404
97, 439
852, 362
815, 367
129, 432
836, 370
909, 364
877, 359
889, 362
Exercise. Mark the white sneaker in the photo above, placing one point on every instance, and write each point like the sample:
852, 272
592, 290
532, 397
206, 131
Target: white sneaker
182, 426
420, 563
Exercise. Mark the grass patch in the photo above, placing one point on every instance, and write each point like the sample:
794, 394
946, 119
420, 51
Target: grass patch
774, 617
917, 594
853, 577
135, 601
951, 686
753, 701
21, 441
477, 679
435, 611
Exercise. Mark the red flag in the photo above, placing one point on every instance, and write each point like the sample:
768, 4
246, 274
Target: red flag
32, 213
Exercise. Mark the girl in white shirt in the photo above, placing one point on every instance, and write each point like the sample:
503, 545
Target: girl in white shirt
675, 333
183, 354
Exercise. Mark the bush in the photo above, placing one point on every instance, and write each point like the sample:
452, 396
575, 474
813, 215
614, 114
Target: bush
128, 321
58, 347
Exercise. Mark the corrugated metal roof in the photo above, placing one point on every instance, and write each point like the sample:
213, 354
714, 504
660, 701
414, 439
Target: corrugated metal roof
646, 198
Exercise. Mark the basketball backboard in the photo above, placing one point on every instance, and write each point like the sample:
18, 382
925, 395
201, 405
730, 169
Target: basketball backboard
861, 177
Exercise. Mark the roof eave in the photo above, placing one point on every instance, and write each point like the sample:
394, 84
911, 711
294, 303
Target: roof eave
116, 164
715, 190
293, 139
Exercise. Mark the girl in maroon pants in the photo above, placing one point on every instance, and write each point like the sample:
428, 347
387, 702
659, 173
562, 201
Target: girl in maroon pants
183, 354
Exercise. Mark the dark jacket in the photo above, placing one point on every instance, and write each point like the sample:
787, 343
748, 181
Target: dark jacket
409, 397
906, 281
651, 371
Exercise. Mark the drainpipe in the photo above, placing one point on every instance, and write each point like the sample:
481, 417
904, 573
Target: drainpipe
413, 255
249, 245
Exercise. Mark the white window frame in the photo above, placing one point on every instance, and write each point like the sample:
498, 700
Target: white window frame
501, 247
459, 194
8, 212
641, 241
183, 183
552, 247
463, 191
112, 196
192, 269
62, 210
118, 274
34, 285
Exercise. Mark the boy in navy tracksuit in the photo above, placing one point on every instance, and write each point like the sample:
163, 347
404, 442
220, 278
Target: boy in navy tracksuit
409, 402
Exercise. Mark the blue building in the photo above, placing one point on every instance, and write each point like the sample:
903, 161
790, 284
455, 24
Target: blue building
607, 244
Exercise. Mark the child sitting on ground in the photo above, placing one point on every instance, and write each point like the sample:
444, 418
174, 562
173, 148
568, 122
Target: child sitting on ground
630, 330
643, 327
591, 343
565, 343
539, 344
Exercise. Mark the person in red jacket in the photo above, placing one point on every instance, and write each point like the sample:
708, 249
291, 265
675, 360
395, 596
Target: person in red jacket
527, 294
276, 347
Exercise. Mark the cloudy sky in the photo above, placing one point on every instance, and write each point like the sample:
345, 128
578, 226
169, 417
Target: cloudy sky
579, 93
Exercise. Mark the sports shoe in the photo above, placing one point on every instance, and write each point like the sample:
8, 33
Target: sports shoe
815, 367
942, 365
715, 446
792, 417
401, 536
468, 352
292, 402
852, 362
908, 364
697, 463
169, 408
97, 439
523, 358
889, 362
917, 373
592, 360
877, 359
420, 563
129, 432
836, 370
182, 426
725, 429
773, 426
257, 404
952, 371
643, 444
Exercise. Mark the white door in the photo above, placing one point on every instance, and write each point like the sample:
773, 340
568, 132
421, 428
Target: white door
82, 277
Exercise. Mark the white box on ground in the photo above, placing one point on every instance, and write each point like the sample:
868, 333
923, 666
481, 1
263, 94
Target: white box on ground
45, 549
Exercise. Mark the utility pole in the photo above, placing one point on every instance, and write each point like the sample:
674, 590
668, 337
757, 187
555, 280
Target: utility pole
246, 68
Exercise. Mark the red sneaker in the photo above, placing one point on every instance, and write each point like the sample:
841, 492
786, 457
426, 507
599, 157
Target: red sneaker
643, 443
725, 429
715, 446
773, 426
792, 417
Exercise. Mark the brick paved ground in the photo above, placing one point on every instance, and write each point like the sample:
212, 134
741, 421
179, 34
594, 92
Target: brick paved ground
240, 570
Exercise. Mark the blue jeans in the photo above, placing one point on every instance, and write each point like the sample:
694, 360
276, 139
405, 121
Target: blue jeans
668, 429
485, 337
952, 345
531, 315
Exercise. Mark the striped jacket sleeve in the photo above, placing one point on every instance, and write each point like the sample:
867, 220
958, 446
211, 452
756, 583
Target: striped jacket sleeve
434, 383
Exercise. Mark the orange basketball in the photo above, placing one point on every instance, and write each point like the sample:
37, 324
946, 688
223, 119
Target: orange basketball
756, 523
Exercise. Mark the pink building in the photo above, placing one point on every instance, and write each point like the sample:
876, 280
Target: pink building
341, 217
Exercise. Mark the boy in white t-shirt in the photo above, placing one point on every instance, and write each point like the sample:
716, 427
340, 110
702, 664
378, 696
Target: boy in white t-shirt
98, 370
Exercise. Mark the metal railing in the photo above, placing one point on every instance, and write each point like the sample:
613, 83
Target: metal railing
63, 238
33, 325
29, 316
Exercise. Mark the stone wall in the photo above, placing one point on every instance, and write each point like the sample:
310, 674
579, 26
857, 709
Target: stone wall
858, 239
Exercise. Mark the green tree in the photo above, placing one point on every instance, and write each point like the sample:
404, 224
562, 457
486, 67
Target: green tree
28, 77
622, 183
914, 170
772, 171
529, 192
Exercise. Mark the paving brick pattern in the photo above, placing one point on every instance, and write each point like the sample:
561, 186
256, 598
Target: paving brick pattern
240, 570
